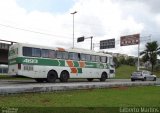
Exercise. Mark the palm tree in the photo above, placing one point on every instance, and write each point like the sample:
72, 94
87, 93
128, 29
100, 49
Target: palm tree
151, 52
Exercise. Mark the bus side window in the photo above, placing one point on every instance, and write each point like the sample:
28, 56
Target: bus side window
59, 55
82, 57
88, 57
65, 55
93, 58
44, 53
27, 51
36, 52
52, 54
73, 56
97, 59
33, 52
103, 59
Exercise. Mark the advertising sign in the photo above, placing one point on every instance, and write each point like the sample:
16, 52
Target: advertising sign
130, 40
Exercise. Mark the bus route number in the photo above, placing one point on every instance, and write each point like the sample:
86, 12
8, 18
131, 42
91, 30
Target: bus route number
31, 61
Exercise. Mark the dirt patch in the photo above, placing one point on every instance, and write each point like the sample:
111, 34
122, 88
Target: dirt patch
45, 101
120, 88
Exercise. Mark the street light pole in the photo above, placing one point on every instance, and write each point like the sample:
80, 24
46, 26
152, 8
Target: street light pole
138, 55
91, 42
73, 25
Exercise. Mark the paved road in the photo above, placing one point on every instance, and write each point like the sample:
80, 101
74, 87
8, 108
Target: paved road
4, 82
21, 86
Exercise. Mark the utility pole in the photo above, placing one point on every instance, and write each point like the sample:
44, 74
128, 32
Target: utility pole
138, 55
91, 42
73, 25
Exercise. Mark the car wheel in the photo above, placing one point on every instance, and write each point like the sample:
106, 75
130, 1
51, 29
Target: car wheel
51, 77
90, 79
132, 80
144, 79
154, 79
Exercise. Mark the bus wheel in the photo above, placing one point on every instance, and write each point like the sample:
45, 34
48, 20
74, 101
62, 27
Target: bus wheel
39, 80
51, 76
103, 77
64, 76
90, 79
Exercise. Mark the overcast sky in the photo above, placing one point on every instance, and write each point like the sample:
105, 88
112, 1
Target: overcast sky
49, 22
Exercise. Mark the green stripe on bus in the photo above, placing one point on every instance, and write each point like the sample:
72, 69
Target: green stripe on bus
79, 70
91, 65
62, 62
54, 62
76, 64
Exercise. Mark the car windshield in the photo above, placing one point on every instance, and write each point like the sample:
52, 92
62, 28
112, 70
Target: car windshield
137, 72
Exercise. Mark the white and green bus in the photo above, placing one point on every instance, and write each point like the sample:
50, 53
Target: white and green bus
49, 64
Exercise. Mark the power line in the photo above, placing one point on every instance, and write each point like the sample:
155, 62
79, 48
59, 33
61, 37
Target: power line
9, 26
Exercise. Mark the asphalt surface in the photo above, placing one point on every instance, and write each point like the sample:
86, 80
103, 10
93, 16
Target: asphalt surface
9, 82
23, 86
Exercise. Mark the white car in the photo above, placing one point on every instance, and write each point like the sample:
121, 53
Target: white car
143, 75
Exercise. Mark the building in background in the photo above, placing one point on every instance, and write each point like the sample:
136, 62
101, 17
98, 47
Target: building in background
3, 69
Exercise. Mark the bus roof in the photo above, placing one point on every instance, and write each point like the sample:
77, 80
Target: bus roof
35, 46
77, 50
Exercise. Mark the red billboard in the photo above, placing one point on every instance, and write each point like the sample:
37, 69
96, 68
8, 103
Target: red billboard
130, 40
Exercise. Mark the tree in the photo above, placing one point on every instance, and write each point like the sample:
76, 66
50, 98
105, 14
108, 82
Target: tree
122, 60
151, 52
117, 64
130, 61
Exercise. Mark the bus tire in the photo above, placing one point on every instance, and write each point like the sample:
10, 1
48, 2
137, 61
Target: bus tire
103, 77
90, 79
64, 76
52, 76
39, 80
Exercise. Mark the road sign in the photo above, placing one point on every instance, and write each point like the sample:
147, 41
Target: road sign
105, 44
130, 40
80, 39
